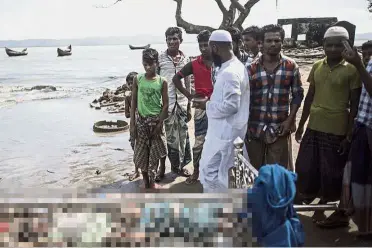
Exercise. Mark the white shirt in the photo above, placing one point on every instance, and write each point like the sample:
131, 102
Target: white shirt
168, 70
228, 113
229, 104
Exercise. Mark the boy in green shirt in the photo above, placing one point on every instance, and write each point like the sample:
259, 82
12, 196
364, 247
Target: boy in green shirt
149, 109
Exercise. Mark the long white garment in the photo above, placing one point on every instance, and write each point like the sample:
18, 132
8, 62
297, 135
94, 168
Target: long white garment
228, 113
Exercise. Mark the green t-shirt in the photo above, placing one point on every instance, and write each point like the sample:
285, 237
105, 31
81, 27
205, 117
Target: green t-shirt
330, 108
149, 97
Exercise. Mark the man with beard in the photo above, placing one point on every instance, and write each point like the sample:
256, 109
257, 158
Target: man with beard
170, 62
201, 70
252, 42
332, 104
273, 77
227, 111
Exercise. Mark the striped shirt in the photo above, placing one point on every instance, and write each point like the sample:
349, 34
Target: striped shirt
364, 115
167, 69
270, 94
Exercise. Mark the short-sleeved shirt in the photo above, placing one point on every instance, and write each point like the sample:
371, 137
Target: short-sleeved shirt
271, 93
364, 115
329, 111
167, 69
149, 95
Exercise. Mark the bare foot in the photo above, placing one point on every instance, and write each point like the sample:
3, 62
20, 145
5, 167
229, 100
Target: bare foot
134, 176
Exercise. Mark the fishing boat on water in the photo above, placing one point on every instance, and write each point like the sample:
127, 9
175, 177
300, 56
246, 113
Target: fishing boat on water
12, 53
66, 52
139, 47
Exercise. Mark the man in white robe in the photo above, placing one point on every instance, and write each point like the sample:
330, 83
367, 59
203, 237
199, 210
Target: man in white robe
227, 111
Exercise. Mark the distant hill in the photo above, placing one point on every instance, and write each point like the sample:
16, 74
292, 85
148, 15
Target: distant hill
364, 36
90, 41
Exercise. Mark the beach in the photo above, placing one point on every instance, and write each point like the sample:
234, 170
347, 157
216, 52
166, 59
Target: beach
47, 137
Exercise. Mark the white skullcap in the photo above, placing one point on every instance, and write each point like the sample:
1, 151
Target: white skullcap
220, 36
336, 31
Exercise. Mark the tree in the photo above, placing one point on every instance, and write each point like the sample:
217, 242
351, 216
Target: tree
235, 15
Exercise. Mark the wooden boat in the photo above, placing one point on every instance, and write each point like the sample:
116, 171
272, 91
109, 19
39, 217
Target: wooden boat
12, 53
139, 47
66, 52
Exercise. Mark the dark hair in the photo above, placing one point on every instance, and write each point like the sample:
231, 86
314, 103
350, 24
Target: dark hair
150, 55
203, 36
172, 31
367, 44
253, 31
272, 28
130, 76
235, 33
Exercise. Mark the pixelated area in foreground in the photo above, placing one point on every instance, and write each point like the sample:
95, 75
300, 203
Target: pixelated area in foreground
124, 220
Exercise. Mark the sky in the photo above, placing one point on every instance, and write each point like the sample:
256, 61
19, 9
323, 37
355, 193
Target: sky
65, 19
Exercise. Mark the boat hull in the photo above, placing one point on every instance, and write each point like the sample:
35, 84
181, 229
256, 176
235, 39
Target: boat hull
12, 53
139, 47
62, 53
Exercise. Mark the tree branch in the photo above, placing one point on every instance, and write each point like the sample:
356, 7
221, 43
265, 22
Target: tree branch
189, 27
237, 5
221, 6
244, 13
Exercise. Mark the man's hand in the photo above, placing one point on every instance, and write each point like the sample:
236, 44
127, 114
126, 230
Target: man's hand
344, 147
189, 116
299, 133
285, 127
200, 104
352, 57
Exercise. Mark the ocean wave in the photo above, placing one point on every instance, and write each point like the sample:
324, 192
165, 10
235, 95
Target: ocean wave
10, 95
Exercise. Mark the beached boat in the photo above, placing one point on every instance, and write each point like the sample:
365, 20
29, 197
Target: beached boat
12, 53
139, 47
66, 52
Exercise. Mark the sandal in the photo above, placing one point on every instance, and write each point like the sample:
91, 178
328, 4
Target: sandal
192, 180
182, 172
335, 220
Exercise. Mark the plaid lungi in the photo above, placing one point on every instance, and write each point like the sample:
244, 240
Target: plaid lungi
149, 149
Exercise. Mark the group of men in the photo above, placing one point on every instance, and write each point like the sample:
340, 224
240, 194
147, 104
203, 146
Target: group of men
244, 86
